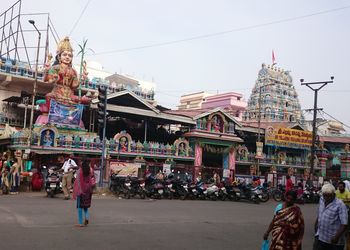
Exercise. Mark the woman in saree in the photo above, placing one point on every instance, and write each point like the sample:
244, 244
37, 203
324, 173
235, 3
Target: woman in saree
82, 192
287, 225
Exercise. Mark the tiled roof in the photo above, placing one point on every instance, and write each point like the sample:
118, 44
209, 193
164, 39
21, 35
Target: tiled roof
335, 139
254, 124
188, 113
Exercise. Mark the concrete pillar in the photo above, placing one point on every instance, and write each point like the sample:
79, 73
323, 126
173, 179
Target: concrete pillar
232, 164
198, 152
345, 165
225, 165
322, 159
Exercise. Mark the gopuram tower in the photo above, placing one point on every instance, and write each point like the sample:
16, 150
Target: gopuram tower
275, 93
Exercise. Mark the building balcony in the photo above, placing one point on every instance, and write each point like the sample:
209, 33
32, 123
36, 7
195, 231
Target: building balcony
272, 160
92, 85
16, 68
94, 146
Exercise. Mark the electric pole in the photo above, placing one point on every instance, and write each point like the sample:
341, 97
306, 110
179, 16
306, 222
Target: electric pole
314, 132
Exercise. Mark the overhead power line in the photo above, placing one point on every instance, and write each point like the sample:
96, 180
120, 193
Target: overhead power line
81, 14
336, 120
223, 32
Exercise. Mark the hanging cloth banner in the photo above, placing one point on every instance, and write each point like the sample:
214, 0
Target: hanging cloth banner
69, 115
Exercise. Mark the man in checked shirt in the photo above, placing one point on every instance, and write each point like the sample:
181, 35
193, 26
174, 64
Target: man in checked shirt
331, 222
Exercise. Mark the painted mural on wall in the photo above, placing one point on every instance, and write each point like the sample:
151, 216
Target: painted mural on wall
123, 140
47, 138
216, 123
68, 115
181, 147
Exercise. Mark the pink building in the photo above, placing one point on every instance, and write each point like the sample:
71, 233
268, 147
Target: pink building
231, 101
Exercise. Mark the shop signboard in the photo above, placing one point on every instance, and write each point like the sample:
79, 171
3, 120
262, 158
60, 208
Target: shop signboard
287, 137
125, 168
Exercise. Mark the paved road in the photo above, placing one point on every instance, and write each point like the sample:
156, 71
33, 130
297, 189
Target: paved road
32, 221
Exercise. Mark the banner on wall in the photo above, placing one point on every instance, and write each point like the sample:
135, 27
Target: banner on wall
125, 168
226, 173
259, 150
167, 168
69, 115
287, 137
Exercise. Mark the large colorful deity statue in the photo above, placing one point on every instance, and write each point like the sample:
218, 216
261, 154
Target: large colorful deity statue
64, 77
62, 106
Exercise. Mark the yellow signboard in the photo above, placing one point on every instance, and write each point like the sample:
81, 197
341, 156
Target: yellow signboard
287, 137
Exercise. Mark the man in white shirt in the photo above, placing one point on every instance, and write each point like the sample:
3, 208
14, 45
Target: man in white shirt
347, 185
67, 168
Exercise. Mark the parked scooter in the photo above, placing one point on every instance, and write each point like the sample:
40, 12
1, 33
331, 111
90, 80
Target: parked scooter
211, 192
53, 183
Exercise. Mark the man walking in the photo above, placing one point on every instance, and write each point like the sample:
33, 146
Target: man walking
331, 222
343, 194
68, 167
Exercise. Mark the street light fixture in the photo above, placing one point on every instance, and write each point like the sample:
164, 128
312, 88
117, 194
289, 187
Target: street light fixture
32, 22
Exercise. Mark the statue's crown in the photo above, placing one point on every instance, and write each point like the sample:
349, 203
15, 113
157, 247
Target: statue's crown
64, 45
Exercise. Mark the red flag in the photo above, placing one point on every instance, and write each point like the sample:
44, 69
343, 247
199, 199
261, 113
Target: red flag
273, 57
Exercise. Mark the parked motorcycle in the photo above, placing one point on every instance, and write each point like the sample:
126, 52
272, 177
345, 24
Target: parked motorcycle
116, 183
132, 187
154, 188
247, 192
264, 196
278, 193
310, 195
175, 188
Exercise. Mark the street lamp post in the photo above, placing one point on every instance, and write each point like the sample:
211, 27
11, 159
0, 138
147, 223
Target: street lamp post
32, 22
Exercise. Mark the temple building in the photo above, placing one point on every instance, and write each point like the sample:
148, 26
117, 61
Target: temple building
207, 133
273, 97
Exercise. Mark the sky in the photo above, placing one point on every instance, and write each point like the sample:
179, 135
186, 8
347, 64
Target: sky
223, 43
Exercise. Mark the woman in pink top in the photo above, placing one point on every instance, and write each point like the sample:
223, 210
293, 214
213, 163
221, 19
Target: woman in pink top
289, 184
